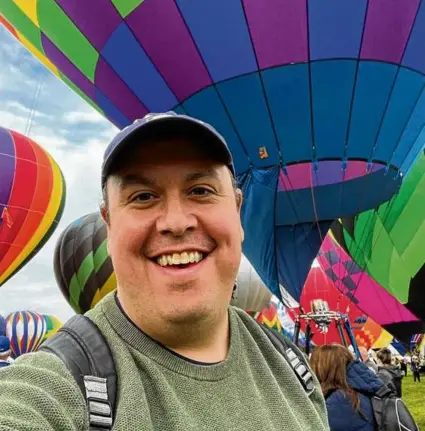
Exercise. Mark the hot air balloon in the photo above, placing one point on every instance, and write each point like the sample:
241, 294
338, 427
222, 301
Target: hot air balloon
251, 293
26, 330
84, 271
275, 316
366, 293
389, 242
320, 286
322, 103
53, 324
32, 198
82, 266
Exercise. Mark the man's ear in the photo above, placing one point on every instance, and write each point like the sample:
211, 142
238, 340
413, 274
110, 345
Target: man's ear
239, 199
104, 213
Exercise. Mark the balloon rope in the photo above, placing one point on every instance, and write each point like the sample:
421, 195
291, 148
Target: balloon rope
32, 111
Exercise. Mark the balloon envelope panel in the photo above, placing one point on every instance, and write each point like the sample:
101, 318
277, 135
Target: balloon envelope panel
32, 198
383, 341
388, 243
322, 104
366, 293
251, 293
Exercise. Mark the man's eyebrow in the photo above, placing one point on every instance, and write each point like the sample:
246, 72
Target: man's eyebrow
135, 179
140, 180
202, 174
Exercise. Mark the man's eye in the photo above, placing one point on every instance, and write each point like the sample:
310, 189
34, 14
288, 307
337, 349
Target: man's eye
144, 197
201, 191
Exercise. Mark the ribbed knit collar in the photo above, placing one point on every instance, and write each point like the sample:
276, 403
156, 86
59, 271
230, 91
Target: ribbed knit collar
156, 352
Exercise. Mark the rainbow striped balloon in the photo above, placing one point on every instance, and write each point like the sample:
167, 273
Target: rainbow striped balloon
26, 330
32, 198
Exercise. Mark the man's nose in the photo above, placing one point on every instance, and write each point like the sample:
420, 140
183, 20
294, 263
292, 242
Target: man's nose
176, 218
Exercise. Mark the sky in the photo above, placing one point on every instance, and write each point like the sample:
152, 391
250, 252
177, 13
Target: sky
75, 135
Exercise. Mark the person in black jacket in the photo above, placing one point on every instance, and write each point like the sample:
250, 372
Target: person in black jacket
390, 374
348, 386
414, 366
403, 367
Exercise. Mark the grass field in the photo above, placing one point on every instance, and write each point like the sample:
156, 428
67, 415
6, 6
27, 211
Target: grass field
414, 397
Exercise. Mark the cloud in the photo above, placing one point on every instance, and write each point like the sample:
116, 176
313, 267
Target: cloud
83, 117
76, 136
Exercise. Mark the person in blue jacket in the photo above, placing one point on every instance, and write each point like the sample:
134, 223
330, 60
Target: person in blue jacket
4, 351
348, 386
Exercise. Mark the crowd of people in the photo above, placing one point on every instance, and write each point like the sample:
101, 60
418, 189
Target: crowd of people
350, 385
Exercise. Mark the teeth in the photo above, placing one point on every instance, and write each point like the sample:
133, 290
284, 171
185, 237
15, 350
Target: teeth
184, 258
179, 258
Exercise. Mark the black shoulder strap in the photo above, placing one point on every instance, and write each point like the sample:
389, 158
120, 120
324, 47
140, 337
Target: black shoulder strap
86, 353
293, 356
384, 392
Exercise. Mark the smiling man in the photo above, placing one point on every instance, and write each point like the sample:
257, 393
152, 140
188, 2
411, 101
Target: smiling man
185, 359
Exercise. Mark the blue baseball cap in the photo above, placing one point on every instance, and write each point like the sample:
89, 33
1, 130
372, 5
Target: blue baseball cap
169, 124
4, 344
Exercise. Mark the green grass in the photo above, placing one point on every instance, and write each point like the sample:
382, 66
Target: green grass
414, 397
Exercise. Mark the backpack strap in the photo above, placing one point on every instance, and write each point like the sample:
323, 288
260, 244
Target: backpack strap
384, 392
293, 356
86, 353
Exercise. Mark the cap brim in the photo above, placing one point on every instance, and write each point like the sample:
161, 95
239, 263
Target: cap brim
172, 127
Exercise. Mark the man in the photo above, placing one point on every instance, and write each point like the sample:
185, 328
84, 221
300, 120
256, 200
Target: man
415, 367
4, 351
367, 359
403, 367
185, 359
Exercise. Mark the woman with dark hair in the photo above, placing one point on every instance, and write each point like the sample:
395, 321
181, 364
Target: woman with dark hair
348, 386
390, 374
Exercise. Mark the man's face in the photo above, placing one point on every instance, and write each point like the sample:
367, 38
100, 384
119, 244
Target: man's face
174, 231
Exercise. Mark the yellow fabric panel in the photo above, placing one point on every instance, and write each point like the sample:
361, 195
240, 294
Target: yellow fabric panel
384, 340
29, 8
109, 286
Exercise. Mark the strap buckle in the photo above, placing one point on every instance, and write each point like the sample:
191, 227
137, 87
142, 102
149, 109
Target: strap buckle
100, 409
300, 369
